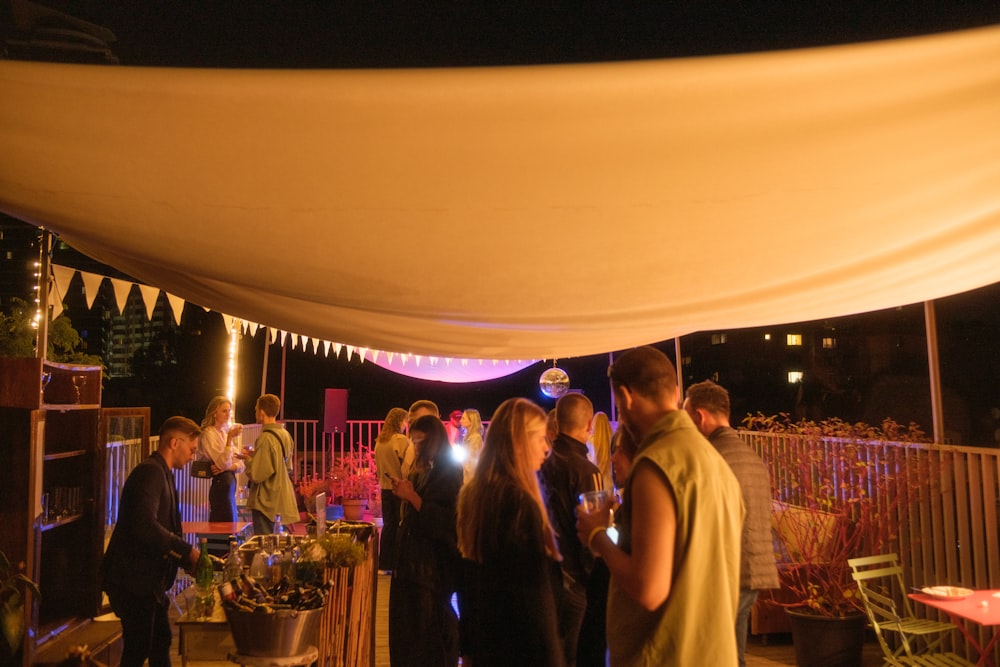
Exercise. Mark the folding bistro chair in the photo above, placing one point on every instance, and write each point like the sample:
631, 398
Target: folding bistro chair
880, 583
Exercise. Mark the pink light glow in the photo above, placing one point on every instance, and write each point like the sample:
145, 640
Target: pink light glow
450, 370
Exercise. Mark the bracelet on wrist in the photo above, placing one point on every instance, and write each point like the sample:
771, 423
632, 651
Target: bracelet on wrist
593, 534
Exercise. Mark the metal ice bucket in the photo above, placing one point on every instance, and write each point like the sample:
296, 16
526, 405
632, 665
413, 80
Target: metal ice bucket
284, 633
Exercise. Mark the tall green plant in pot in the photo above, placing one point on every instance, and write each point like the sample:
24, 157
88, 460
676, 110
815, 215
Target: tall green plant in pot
837, 495
13, 588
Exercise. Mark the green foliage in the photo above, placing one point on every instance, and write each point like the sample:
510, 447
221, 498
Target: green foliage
17, 337
13, 587
890, 430
334, 549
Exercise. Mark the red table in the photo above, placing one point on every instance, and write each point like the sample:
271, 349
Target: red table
218, 533
971, 609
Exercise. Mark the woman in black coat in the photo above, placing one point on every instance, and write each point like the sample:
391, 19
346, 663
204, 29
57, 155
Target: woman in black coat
423, 626
511, 560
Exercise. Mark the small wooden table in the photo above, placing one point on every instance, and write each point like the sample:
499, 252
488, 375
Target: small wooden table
204, 638
972, 609
241, 529
218, 533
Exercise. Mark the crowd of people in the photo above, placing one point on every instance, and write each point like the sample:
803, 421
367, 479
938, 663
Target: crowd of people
661, 570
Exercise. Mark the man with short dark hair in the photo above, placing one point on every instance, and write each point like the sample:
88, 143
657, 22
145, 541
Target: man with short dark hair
675, 570
708, 405
269, 470
564, 475
417, 410
146, 547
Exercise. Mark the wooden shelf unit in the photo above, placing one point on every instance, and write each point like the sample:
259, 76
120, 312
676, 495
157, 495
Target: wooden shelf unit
54, 435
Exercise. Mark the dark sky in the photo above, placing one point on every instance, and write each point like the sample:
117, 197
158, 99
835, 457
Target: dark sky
291, 33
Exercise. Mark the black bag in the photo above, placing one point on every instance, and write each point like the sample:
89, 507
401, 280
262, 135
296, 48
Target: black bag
201, 469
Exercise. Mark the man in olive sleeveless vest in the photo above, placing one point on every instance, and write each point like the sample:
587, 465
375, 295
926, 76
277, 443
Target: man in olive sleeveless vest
676, 568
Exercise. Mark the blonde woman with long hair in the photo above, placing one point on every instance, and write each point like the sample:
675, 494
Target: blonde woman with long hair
220, 444
600, 440
472, 424
510, 557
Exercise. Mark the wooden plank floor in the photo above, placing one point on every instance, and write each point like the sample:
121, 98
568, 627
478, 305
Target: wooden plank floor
772, 651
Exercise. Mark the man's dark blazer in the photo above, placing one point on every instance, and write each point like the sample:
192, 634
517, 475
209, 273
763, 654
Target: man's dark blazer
146, 546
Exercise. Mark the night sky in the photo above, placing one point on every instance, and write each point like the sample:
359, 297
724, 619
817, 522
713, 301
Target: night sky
297, 34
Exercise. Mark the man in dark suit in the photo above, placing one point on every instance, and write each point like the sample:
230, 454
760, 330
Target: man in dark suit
146, 547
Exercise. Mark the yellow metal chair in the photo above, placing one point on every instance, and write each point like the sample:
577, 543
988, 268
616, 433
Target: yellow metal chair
880, 583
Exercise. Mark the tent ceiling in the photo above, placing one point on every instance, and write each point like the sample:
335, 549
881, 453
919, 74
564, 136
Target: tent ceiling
526, 212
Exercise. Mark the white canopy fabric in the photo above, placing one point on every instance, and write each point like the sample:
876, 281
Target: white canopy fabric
526, 212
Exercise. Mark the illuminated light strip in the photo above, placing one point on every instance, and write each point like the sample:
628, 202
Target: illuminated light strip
234, 346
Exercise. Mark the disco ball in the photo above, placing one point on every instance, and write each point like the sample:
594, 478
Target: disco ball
554, 382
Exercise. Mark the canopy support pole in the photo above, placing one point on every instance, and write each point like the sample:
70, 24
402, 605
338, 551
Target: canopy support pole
680, 374
44, 284
934, 371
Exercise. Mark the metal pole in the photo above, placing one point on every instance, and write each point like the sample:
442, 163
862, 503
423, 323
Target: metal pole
284, 356
263, 373
614, 414
680, 375
934, 371
44, 284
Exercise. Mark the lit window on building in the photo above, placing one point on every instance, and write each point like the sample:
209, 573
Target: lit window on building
829, 343
718, 339
794, 376
767, 336
793, 339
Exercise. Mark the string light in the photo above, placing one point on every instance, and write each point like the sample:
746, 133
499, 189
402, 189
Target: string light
234, 346
37, 289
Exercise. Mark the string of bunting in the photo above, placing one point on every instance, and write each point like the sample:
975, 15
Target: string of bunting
414, 365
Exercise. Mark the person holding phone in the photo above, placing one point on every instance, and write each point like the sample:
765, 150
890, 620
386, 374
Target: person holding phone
219, 444
423, 626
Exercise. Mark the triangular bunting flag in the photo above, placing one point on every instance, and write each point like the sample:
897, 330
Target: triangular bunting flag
122, 289
295, 340
350, 352
336, 349
374, 356
149, 295
91, 286
61, 276
176, 305
227, 322
326, 348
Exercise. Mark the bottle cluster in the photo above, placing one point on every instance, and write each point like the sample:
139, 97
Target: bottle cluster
247, 594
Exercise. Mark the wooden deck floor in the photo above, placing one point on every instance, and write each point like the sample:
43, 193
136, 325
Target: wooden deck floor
772, 651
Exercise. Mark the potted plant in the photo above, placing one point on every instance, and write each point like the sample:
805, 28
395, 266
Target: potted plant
355, 481
13, 588
831, 503
306, 491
